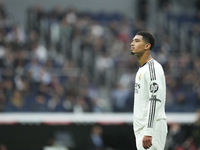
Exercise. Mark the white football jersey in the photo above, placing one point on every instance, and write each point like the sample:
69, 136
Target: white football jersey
149, 97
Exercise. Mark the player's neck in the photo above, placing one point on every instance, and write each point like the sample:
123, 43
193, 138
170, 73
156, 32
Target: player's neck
144, 59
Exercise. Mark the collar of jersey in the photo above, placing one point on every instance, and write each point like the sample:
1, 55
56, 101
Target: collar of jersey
146, 62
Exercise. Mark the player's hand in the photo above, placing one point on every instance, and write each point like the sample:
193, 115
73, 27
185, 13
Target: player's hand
147, 142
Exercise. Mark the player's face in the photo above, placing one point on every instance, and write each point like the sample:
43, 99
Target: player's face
138, 45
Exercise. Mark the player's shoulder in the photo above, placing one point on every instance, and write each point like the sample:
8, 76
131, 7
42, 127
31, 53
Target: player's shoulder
154, 63
154, 66
154, 70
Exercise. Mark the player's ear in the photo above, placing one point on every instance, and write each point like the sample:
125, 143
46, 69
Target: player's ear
148, 46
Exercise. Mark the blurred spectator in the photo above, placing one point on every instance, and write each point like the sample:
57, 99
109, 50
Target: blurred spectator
82, 103
68, 103
54, 104
3, 11
33, 68
184, 137
96, 30
125, 31
197, 99
103, 63
175, 138
20, 61
119, 98
2, 102
39, 51
39, 104
3, 147
33, 37
16, 103
189, 144
8, 60
180, 102
16, 35
143, 9
196, 131
197, 4
45, 77
71, 16
36, 13
95, 140
8, 88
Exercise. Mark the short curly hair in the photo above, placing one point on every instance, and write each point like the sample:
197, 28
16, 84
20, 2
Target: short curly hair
147, 37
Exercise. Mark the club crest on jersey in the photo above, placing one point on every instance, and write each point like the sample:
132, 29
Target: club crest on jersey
140, 77
154, 87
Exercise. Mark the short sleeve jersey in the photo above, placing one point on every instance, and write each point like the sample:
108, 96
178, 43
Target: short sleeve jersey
149, 97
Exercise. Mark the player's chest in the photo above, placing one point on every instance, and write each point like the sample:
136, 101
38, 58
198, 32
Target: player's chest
140, 81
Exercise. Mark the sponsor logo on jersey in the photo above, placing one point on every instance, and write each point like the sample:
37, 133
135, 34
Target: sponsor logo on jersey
137, 87
154, 87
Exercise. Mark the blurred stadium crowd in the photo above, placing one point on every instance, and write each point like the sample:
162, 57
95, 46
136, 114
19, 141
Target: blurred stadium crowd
70, 61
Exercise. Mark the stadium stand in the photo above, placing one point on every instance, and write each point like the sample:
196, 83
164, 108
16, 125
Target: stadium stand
71, 61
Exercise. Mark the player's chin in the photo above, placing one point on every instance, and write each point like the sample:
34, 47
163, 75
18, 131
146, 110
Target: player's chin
132, 53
